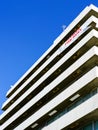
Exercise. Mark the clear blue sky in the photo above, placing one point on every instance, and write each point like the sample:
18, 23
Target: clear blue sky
27, 29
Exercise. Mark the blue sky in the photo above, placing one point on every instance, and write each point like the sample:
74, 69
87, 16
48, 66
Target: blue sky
27, 29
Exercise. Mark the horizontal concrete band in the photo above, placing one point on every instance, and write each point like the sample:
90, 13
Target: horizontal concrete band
60, 98
93, 51
57, 100
90, 20
79, 112
70, 27
68, 55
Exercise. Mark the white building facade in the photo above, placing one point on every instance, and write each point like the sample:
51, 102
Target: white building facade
60, 91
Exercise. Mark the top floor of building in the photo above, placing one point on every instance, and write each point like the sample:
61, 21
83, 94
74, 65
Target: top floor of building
86, 19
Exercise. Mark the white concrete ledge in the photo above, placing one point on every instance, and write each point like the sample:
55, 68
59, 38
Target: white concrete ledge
60, 98
93, 73
92, 18
71, 26
70, 53
80, 111
75, 21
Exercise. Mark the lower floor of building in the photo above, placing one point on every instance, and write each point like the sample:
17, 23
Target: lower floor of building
90, 126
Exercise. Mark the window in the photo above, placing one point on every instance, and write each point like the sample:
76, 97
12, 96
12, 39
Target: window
88, 127
96, 125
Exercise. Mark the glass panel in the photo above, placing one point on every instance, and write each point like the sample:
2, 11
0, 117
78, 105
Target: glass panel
94, 91
86, 97
88, 127
96, 125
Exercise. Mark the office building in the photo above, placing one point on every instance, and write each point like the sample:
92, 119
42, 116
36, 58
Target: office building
60, 91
